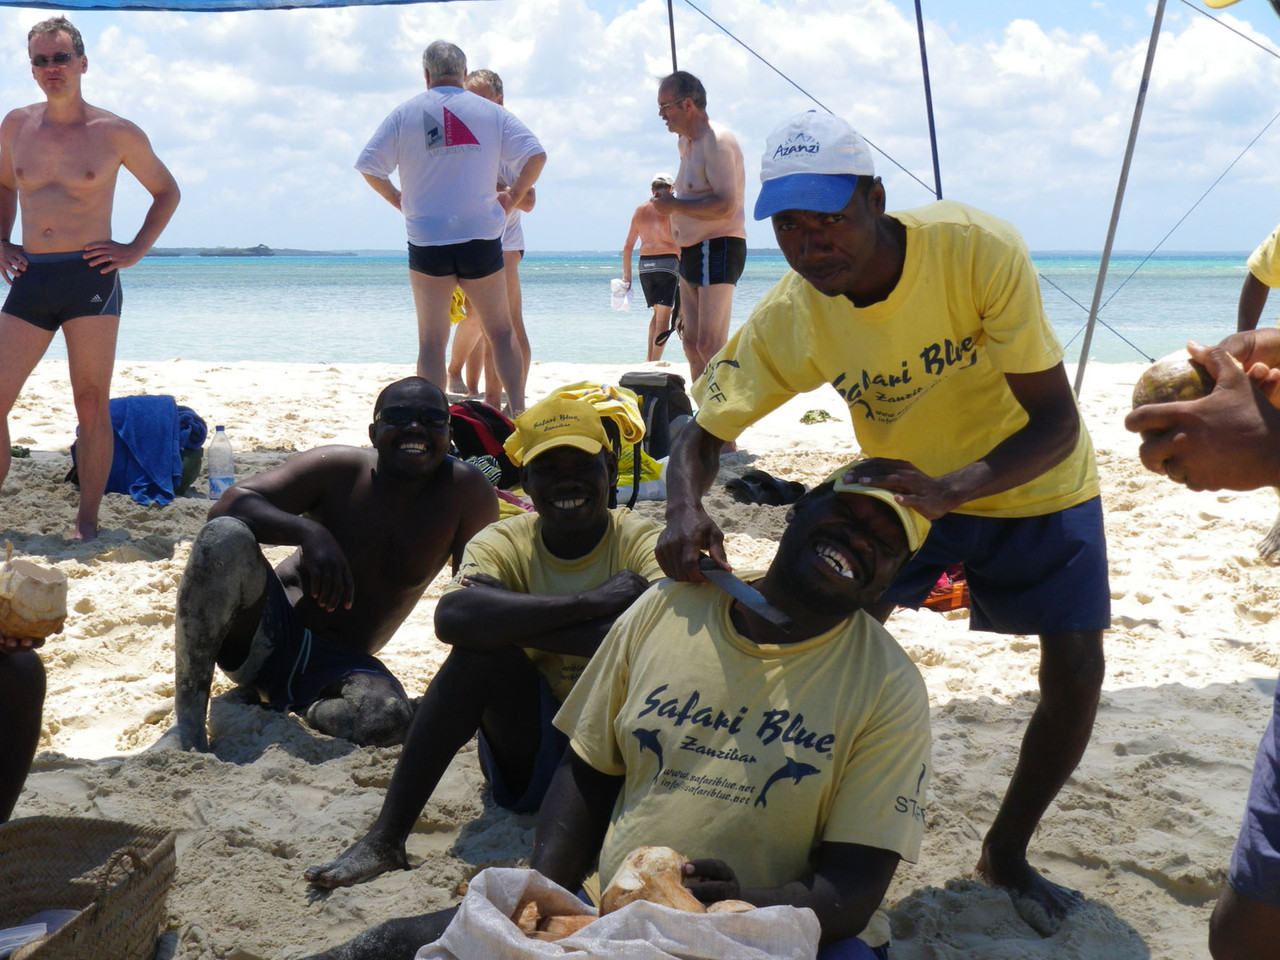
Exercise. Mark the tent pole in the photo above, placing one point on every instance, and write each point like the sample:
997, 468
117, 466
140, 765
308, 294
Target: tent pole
671, 25
928, 102
1124, 179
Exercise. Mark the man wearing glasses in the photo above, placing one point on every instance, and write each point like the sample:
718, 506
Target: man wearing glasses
707, 218
372, 528
59, 161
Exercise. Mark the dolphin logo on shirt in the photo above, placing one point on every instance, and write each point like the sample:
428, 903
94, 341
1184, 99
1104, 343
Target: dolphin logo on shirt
792, 770
649, 741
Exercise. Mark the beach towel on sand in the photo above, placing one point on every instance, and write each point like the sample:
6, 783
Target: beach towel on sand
151, 432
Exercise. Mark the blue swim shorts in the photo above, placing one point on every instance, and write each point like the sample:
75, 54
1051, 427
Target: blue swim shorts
1255, 862
292, 666
1028, 575
550, 749
469, 260
718, 260
57, 287
851, 948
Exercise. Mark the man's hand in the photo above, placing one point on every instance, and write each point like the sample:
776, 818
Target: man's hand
711, 880
110, 255
665, 204
930, 496
1227, 440
327, 572
618, 592
478, 579
687, 535
11, 644
12, 261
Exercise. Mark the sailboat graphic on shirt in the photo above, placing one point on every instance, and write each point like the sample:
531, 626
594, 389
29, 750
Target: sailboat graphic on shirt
446, 132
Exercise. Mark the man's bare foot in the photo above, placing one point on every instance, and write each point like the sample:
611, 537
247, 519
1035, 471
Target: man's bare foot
456, 384
85, 530
1041, 903
365, 860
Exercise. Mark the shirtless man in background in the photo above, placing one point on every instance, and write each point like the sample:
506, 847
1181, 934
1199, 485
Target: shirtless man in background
707, 219
59, 160
659, 263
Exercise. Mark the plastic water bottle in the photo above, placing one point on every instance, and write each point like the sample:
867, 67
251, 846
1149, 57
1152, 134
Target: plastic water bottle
222, 471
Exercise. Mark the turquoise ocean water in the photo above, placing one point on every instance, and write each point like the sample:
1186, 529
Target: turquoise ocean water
359, 310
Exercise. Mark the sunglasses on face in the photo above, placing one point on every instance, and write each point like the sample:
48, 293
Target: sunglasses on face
430, 417
58, 59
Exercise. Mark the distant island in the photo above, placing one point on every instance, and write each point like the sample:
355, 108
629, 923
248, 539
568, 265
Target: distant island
261, 250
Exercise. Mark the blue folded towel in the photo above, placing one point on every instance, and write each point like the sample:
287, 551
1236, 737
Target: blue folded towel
150, 434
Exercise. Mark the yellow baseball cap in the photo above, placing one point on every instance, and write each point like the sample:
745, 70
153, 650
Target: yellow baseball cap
555, 422
915, 524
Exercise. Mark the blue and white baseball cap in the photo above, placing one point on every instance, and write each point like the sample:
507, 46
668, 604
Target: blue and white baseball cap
811, 162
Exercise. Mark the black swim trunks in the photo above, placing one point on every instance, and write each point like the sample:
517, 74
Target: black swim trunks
469, 260
718, 260
57, 287
658, 280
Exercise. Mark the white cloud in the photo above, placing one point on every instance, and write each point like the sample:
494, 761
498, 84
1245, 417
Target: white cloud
261, 114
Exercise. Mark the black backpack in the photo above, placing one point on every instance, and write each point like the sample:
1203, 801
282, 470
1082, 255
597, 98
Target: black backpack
662, 401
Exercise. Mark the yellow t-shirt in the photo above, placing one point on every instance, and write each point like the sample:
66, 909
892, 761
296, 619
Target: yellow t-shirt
512, 551
923, 372
1264, 262
752, 754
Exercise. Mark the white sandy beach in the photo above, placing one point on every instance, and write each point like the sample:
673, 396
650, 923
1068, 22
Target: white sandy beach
1144, 828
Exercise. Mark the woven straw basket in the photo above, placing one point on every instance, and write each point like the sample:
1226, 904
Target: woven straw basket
115, 874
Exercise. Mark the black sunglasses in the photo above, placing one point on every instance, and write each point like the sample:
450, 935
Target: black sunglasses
58, 59
403, 416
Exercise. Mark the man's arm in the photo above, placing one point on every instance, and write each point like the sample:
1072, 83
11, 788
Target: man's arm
1048, 437
485, 615
1253, 297
694, 464
1229, 439
384, 188
139, 159
273, 505
12, 261
629, 247
846, 886
514, 195
723, 168
477, 508
572, 821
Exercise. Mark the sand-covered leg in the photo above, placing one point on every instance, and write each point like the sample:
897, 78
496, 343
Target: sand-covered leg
220, 600
1269, 546
1071, 672
397, 939
369, 710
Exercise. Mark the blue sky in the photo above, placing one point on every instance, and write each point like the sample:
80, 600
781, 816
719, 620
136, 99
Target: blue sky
261, 115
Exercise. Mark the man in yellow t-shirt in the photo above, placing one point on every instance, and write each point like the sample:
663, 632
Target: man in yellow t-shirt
791, 766
532, 599
1264, 273
929, 324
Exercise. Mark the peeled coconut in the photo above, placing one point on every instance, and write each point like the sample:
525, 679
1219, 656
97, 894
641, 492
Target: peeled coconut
33, 599
655, 874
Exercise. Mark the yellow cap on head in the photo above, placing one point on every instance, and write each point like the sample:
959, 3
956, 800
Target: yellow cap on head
555, 422
915, 524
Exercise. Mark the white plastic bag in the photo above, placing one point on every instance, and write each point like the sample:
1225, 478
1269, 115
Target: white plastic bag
483, 929
619, 295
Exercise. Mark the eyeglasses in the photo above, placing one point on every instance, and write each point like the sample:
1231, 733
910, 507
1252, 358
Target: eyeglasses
58, 59
429, 417
662, 107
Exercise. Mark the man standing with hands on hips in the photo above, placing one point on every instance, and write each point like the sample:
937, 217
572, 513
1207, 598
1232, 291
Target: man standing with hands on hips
58, 162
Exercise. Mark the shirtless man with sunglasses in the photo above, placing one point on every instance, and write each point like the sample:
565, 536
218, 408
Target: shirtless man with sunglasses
372, 528
59, 160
